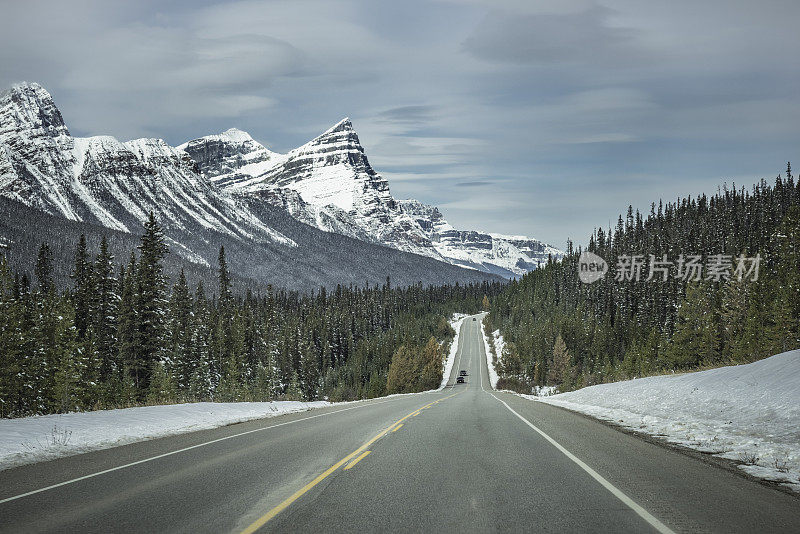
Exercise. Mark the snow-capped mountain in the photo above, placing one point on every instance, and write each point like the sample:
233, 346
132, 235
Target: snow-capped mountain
54, 186
229, 185
104, 181
508, 256
329, 183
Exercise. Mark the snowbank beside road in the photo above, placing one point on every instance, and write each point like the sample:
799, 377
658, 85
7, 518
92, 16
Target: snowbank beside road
749, 413
45, 437
455, 322
498, 347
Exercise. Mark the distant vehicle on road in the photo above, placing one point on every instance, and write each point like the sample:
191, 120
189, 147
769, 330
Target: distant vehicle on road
460, 380
462, 373
474, 319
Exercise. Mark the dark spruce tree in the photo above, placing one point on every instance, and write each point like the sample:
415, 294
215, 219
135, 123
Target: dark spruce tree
44, 269
104, 309
82, 290
151, 301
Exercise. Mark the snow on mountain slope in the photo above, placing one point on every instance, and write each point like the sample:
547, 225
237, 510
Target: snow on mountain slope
330, 184
209, 184
533, 248
101, 180
477, 250
749, 413
230, 157
58, 186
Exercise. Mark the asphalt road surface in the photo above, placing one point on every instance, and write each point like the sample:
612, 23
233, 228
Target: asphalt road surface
464, 459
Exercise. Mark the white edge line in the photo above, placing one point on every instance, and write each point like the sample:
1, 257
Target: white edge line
117, 468
644, 514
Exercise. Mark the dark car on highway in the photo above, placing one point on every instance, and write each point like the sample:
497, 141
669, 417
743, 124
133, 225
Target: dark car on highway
460, 380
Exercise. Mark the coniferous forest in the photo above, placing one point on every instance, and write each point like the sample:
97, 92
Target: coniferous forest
123, 334
560, 331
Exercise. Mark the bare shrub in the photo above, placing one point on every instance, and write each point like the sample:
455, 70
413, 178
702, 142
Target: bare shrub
781, 464
749, 458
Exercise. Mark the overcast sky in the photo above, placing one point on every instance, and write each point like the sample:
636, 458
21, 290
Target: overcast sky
544, 118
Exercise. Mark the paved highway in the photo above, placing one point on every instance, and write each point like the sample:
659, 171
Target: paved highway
463, 459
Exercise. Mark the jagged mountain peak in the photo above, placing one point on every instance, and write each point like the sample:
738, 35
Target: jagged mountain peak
343, 125
238, 136
330, 170
341, 136
27, 106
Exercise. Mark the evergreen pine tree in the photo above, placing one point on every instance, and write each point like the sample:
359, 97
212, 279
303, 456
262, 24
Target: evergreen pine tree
151, 303
560, 369
82, 288
13, 357
206, 375
104, 310
309, 369
44, 270
225, 295
786, 330
293, 390
734, 320
127, 322
161, 389
695, 338
181, 334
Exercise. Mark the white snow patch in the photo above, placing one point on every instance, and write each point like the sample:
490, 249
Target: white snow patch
46, 437
487, 351
335, 185
745, 412
545, 391
34, 439
455, 322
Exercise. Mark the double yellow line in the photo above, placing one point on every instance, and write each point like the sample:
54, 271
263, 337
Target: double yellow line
261, 521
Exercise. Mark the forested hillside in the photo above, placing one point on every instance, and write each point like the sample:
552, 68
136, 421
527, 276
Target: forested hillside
561, 331
124, 334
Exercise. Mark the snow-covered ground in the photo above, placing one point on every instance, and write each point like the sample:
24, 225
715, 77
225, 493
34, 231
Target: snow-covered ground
455, 323
45, 437
749, 413
498, 347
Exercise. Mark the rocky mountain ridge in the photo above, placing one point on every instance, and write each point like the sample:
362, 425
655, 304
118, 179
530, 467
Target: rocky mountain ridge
225, 185
329, 183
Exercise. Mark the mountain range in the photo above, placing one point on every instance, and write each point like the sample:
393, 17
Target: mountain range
305, 207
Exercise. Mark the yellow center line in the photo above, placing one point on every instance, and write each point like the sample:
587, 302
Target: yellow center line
395, 429
358, 459
261, 521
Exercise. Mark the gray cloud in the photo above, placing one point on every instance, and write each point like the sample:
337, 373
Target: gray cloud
565, 104
409, 114
549, 37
